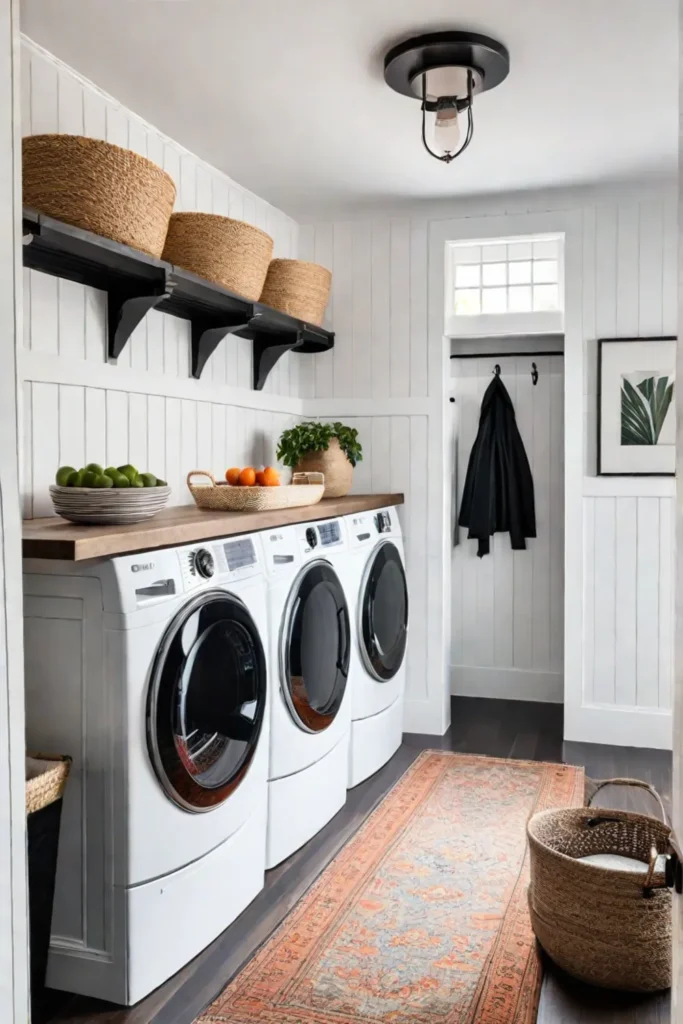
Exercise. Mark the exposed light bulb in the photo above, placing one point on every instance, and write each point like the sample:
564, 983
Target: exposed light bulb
446, 126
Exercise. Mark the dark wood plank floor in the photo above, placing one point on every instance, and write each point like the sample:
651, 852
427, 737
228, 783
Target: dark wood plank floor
498, 728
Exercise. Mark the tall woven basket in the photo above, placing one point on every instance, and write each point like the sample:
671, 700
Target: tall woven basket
606, 926
46, 777
298, 288
100, 187
334, 465
228, 252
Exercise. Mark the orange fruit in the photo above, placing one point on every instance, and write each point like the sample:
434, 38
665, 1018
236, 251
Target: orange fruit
232, 475
260, 482
271, 477
248, 477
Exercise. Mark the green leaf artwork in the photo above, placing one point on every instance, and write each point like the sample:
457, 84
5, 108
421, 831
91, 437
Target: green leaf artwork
644, 409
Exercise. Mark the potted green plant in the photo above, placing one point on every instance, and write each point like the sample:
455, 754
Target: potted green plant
329, 448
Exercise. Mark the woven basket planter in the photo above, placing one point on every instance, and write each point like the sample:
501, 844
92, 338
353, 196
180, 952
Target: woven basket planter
298, 288
334, 464
305, 489
228, 252
99, 187
605, 926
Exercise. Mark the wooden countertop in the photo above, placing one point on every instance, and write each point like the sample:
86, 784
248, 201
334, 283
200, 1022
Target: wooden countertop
182, 524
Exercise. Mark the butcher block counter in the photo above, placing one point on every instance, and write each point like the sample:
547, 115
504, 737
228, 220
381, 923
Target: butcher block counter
182, 524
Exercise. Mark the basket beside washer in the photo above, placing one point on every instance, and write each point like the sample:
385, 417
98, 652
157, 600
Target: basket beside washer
608, 927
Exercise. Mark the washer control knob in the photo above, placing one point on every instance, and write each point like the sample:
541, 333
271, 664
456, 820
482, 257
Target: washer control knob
311, 537
203, 561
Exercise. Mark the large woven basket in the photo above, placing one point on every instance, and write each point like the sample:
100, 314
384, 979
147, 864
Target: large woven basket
100, 187
46, 776
298, 288
108, 505
607, 926
305, 489
228, 252
335, 467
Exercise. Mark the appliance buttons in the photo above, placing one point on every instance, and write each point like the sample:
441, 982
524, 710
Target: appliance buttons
203, 561
311, 537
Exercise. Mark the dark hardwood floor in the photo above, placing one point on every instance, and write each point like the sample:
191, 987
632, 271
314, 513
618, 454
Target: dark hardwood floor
498, 728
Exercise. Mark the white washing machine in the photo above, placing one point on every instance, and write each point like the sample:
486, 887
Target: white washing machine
310, 629
380, 614
151, 671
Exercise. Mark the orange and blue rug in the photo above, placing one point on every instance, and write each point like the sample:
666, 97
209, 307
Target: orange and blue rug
422, 917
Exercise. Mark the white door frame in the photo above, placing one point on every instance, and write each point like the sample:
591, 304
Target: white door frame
13, 919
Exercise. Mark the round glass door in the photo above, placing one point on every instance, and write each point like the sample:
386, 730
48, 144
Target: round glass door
206, 701
383, 626
315, 647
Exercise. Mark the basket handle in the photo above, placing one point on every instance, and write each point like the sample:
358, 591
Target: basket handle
632, 782
201, 472
308, 478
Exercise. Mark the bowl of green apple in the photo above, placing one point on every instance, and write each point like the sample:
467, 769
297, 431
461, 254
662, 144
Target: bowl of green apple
116, 495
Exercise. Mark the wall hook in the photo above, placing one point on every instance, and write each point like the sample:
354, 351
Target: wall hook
534, 374
496, 369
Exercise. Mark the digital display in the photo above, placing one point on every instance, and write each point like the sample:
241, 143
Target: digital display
329, 533
240, 554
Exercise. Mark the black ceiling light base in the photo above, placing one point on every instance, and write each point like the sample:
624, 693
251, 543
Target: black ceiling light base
412, 58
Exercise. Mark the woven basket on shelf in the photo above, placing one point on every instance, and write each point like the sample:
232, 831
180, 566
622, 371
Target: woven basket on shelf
298, 288
606, 926
228, 252
100, 187
305, 489
334, 465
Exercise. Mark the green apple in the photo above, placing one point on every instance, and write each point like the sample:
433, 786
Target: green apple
161, 483
137, 482
74, 479
94, 467
129, 471
148, 479
104, 481
90, 478
112, 472
63, 474
121, 481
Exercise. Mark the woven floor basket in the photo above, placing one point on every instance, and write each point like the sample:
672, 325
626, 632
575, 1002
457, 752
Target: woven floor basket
605, 926
305, 489
46, 776
100, 187
298, 288
228, 252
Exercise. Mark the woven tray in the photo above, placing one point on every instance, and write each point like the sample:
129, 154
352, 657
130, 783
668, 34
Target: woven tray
108, 505
305, 489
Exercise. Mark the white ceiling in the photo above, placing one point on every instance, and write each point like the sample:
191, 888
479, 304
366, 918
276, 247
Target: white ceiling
288, 96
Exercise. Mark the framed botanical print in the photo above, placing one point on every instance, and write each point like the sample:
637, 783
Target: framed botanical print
636, 407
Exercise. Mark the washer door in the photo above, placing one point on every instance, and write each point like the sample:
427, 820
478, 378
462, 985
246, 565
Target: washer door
383, 625
206, 701
315, 647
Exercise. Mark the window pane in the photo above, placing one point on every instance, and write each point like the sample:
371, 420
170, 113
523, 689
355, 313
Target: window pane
468, 275
495, 253
546, 250
519, 251
519, 299
467, 302
466, 253
494, 273
519, 273
494, 300
545, 271
546, 297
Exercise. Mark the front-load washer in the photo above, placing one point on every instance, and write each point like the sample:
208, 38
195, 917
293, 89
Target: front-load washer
150, 671
380, 610
310, 630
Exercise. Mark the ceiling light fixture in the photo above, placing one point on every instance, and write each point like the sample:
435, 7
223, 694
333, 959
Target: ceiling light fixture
445, 70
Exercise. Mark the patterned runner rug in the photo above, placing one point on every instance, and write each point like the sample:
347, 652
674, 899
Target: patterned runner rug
422, 917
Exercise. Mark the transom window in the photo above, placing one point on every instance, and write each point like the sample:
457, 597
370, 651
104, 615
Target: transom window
519, 280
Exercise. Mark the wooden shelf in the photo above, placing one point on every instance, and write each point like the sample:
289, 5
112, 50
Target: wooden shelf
55, 538
136, 283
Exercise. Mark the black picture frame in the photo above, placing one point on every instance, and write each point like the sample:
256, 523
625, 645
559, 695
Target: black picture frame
610, 341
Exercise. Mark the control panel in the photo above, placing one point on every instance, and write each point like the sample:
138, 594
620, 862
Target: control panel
219, 560
365, 527
281, 551
383, 521
320, 537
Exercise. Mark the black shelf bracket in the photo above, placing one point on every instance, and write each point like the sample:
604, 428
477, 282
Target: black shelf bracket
268, 348
128, 305
207, 335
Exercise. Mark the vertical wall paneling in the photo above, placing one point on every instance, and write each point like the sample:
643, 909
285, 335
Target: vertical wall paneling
647, 694
418, 311
400, 310
381, 309
362, 311
604, 683
626, 614
44, 444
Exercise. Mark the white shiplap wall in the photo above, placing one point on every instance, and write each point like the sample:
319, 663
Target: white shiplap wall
507, 615
146, 408
390, 362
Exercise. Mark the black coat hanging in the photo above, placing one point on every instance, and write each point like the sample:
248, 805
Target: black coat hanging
499, 490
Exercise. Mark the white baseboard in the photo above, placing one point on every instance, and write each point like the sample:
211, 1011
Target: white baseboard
508, 683
619, 726
423, 716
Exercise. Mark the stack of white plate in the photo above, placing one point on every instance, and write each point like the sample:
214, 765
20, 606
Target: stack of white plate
108, 505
